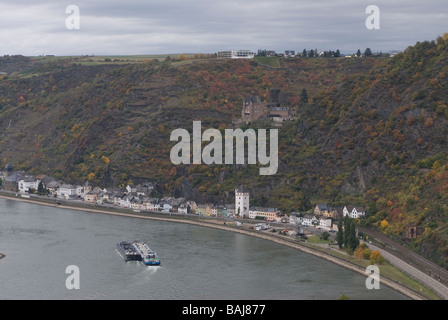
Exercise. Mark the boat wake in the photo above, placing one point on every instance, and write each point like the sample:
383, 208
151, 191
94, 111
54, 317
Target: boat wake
152, 269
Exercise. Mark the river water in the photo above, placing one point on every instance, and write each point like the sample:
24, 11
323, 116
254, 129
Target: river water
197, 262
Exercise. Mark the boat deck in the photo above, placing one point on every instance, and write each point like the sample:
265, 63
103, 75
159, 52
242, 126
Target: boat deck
138, 251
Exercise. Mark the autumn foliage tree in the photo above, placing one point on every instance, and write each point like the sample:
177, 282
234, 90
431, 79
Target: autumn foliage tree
376, 257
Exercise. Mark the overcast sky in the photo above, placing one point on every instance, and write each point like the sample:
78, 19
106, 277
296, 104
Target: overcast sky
117, 27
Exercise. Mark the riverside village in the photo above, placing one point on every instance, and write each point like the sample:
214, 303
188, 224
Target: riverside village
138, 198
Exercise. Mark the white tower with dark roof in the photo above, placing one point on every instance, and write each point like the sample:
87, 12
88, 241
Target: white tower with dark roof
241, 202
8, 170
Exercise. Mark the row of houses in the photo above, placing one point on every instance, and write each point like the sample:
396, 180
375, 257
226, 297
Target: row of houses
21, 181
138, 197
324, 215
354, 212
310, 220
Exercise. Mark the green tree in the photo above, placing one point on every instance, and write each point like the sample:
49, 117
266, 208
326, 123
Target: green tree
372, 209
304, 54
347, 230
304, 95
340, 234
40, 189
368, 52
358, 53
353, 241
337, 54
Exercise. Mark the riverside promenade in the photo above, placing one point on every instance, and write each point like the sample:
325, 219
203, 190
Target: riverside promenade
220, 224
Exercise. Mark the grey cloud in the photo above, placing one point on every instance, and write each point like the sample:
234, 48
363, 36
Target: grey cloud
173, 26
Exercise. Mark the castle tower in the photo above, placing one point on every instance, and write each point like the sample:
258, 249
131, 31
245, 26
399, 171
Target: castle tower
8, 170
241, 202
253, 109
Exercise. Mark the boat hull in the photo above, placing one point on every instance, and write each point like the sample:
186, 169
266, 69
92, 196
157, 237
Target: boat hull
127, 253
137, 251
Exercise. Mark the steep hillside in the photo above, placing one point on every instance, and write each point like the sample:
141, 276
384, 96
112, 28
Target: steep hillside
373, 132
391, 126
67, 118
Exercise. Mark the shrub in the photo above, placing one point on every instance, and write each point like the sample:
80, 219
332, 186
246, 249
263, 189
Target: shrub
366, 254
362, 252
376, 257
429, 122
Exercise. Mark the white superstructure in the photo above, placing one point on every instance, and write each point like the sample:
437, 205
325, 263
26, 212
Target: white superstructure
236, 54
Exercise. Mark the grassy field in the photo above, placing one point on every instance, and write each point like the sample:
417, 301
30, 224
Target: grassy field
318, 240
115, 59
270, 61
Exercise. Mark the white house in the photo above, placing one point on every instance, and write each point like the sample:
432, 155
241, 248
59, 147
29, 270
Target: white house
295, 219
66, 191
117, 198
99, 198
153, 205
25, 185
309, 220
131, 188
166, 207
182, 208
325, 223
126, 200
80, 191
290, 53
354, 212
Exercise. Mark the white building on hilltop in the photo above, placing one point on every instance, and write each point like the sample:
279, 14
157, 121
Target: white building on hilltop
236, 54
241, 202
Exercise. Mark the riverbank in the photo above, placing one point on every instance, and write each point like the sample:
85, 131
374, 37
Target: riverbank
227, 226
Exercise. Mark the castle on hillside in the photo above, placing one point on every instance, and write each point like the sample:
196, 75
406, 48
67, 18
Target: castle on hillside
276, 109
